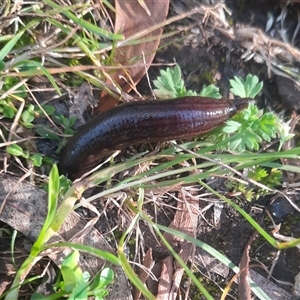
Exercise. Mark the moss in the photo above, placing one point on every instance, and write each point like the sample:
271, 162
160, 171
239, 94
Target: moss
291, 223
71, 79
209, 284
207, 76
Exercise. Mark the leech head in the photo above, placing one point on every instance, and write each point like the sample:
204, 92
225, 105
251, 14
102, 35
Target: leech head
242, 103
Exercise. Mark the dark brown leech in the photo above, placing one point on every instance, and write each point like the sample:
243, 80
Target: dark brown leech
142, 121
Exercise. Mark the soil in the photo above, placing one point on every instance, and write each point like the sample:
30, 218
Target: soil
205, 59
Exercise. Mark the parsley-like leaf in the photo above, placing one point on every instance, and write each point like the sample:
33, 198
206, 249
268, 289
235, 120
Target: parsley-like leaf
171, 85
248, 88
210, 91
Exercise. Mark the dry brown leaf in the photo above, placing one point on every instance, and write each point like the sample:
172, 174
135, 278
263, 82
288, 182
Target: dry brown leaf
148, 262
165, 280
132, 18
244, 286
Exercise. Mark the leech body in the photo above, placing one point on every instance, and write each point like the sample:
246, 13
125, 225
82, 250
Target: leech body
142, 121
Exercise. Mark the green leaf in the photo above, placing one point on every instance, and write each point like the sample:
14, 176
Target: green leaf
28, 125
70, 270
37, 296
237, 87
74, 281
257, 173
250, 140
210, 91
8, 112
10, 82
16, 150
250, 127
284, 133
231, 126
69, 282
49, 109
169, 84
37, 159
47, 133
101, 281
273, 179
28, 115
191, 93
106, 277
248, 88
81, 291
53, 192
237, 143
177, 75
64, 184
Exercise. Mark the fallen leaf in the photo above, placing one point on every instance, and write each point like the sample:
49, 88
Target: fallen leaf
165, 280
244, 286
133, 17
148, 262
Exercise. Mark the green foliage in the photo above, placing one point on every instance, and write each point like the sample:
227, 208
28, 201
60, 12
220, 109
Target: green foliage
258, 173
171, 85
284, 133
16, 150
66, 123
246, 132
251, 127
64, 184
32, 112
28, 119
248, 88
98, 287
210, 91
269, 177
86, 25
10, 82
7, 106
248, 193
7, 109
49, 133
75, 283
13, 41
